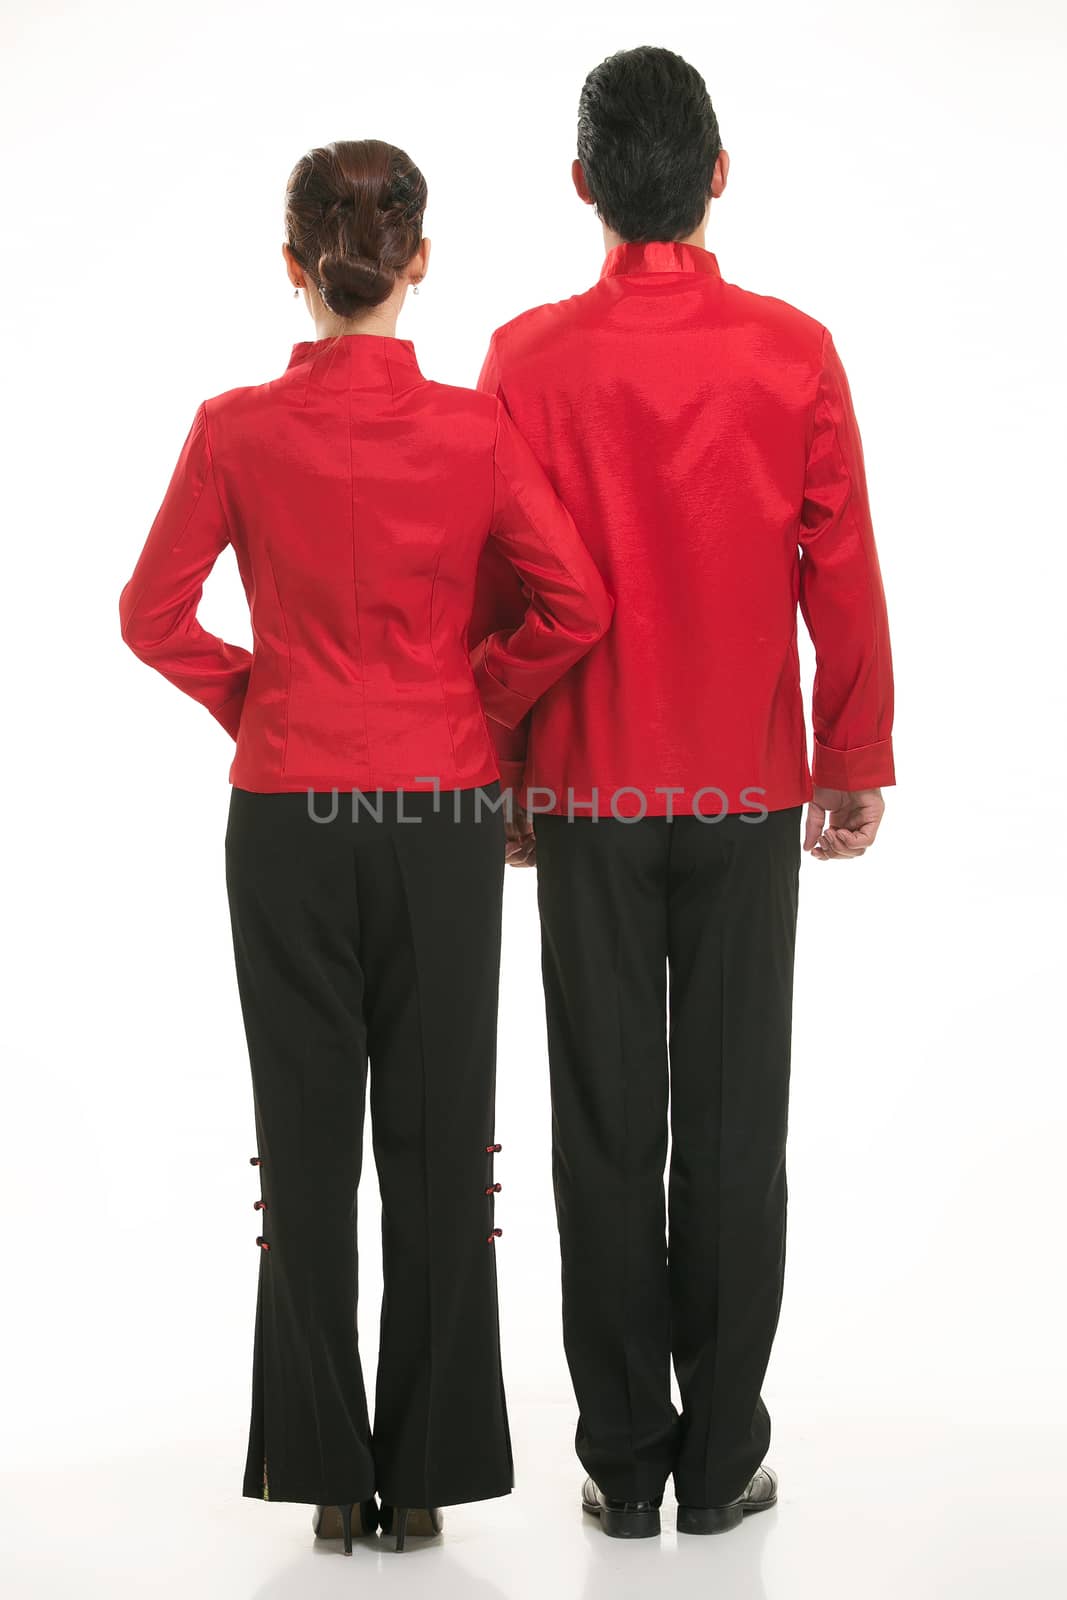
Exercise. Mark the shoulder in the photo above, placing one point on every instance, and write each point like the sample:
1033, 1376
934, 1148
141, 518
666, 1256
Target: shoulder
455, 397
788, 326
541, 325
249, 415
233, 407
468, 417
251, 399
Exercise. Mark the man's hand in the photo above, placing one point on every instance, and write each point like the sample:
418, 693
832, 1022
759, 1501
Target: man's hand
854, 819
520, 849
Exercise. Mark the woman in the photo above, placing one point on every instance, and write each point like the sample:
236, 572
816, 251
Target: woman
364, 848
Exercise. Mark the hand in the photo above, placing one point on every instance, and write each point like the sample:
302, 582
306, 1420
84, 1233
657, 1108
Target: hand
520, 849
854, 819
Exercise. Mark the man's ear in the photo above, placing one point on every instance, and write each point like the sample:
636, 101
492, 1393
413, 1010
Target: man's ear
578, 179
720, 175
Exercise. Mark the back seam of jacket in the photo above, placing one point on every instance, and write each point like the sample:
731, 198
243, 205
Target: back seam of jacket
288, 651
433, 658
355, 584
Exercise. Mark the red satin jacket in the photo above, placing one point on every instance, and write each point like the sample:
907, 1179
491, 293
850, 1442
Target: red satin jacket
358, 498
703, 439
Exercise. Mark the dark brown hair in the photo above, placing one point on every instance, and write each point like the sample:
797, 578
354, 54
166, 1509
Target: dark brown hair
353, 220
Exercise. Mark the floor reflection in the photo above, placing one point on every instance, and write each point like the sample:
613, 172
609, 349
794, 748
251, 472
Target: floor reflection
729, 1564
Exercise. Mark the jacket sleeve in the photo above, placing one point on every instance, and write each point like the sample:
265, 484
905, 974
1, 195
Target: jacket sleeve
841, 599
500, 604
157, 608
567, 606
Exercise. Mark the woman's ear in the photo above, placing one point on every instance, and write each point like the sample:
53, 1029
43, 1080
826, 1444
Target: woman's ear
294, 269
420, 263
578, 179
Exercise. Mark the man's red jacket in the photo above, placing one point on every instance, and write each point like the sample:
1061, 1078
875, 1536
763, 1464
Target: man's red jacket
703, 439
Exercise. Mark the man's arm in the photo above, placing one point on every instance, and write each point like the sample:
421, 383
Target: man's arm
843, 605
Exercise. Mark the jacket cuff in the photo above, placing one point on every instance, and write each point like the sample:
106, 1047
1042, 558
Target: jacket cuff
869, 767
498, 701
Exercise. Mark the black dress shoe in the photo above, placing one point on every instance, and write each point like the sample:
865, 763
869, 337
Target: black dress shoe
760, 1493
621, 1519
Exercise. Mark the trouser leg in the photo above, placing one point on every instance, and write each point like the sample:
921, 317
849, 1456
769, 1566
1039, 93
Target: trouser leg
292, 893
733, 906
431, 902
602, 897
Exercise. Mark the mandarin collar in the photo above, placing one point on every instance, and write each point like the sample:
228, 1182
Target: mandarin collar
659, 255
361, 357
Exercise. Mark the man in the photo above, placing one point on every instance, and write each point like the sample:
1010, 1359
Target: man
704, 441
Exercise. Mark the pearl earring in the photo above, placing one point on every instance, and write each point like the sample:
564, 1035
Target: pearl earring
414, 288
296, 294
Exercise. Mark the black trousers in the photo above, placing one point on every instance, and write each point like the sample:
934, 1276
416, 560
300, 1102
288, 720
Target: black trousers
624, 904
373, 939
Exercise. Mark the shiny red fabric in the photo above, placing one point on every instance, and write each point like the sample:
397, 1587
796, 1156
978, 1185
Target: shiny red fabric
704, 440
358, 498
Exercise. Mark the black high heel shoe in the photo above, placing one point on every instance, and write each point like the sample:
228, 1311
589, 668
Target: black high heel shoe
421, 1523
335, 1522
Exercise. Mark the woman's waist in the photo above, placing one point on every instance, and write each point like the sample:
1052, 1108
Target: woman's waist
345, 736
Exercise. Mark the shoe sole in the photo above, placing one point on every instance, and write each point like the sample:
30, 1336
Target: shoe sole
718, 1519
420, 1525
624, 1524
331, 1527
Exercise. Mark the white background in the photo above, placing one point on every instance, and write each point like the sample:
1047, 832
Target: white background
897, 171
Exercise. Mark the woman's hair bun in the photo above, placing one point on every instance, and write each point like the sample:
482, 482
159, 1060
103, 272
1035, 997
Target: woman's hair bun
353, 220
349, 284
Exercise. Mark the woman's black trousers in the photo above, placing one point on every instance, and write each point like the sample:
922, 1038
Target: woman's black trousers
366, 932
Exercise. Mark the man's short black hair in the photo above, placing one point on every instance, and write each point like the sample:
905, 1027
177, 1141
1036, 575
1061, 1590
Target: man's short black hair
648, 141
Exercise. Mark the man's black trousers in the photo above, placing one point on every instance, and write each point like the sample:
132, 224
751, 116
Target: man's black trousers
376, 938
668, 965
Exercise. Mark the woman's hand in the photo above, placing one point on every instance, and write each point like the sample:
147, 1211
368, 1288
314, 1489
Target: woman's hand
521, 848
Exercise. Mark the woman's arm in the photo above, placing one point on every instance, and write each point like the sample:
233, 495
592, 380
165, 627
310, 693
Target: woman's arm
499, 606
157, 607
568, 608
